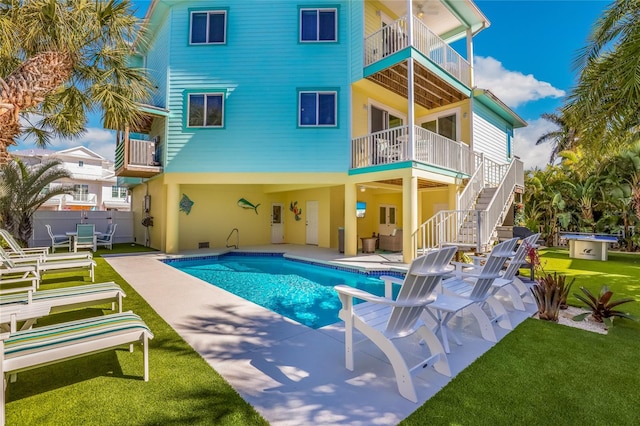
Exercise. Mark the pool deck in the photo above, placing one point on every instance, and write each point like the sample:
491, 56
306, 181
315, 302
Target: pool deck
291, 374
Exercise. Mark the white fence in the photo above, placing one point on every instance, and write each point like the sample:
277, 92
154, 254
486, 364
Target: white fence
65, 221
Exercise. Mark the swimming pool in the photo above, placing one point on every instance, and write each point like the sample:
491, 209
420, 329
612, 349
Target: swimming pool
298, 290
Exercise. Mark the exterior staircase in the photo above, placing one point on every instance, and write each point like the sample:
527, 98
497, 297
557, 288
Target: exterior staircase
484, 203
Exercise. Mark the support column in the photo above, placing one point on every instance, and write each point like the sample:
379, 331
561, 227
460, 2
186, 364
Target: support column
173, 218
409, 217
470, 55
411, 119
350, 220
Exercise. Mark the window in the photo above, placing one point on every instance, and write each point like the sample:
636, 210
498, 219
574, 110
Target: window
205, 110
318, 25
118, 192
208, 27
317, 109
444, 126
80, 163
81, 192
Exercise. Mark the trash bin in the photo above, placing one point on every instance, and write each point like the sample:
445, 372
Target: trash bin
341, 239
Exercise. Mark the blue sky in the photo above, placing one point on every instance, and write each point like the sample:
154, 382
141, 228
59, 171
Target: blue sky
525, 57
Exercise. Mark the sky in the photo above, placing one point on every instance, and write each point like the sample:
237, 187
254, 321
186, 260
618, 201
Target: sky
525, 58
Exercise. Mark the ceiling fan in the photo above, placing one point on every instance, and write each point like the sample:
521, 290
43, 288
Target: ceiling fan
426, 7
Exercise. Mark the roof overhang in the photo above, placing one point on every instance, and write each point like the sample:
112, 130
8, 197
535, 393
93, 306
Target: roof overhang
492, 102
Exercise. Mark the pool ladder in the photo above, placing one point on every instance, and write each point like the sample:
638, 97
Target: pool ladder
235, 246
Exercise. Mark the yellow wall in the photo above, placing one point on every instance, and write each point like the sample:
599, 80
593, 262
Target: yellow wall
431, 197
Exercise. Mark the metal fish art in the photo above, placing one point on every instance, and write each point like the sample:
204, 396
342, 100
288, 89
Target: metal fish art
247, 205
186, 204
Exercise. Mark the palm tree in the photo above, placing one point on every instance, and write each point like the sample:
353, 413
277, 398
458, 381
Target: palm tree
22, 192
563, 138
60, 59
607, 96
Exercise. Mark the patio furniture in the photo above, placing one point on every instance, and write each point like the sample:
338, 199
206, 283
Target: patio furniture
391, 242
28, 349
18, 278
369, 244
63, 299
58, 240
84, 237
42, 252
384, 320
476, 288
41, 267
107, 239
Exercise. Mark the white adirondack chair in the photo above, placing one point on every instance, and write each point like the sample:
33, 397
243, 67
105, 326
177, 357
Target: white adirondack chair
476, 288
383, 320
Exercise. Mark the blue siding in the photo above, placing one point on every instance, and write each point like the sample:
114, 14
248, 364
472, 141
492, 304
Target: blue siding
261, 67
356, 21
158, 64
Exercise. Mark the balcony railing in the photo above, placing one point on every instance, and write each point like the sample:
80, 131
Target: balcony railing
137, 158
393, 38
392, 146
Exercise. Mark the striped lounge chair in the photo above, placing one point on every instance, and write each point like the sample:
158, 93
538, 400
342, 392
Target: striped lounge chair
28, 349
63, 299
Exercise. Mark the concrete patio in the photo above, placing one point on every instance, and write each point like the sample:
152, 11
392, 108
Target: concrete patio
292, 374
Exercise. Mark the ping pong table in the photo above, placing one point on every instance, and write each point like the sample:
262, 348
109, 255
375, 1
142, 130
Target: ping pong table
591, 247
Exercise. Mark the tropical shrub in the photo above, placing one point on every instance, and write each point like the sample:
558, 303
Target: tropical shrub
550, 293
602, 307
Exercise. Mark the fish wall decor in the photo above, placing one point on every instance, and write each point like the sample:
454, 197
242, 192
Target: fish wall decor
186, 204
247, 205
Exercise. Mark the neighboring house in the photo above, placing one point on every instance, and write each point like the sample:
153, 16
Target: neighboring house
313, 110
92, 178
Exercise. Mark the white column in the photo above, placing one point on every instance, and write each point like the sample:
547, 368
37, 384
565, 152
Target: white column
410, 89
173, 218
470, 55
409, 216
350, 220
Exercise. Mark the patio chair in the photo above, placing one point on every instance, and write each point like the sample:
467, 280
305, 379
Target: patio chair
18, 278
472, 292
107, 239
43, 252
61, 299
384, 320
85, 237
58, 240
508, 281
41, 267
28, 349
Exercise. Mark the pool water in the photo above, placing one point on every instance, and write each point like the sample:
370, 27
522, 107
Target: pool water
297, 290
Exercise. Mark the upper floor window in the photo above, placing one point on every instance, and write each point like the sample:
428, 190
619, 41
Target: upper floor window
205, 110
318, 25
80, 163
317, 109
444, 126
80, 192
208, 27
118, 192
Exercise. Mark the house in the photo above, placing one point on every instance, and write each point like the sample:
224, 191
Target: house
92, 178
282, 124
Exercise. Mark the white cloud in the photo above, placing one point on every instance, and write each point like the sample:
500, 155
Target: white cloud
512, 87
525, 143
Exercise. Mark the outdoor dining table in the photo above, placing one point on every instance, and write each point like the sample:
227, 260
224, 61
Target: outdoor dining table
73, 234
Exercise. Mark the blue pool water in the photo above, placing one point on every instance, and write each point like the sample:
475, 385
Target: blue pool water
298, 290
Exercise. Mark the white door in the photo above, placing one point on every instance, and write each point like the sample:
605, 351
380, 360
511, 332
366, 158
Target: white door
277, 229
388, 219
312, 222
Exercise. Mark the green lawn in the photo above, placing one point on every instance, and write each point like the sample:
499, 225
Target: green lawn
548, 374
540, 373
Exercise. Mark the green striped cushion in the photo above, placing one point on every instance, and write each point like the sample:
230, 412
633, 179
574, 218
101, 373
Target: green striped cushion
64, 334
58, 293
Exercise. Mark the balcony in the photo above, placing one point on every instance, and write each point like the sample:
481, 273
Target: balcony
137, 158
393, 38
392, 146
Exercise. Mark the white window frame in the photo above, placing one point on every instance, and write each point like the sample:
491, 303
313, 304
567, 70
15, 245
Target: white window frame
388, 109
445, 113
208, 12
317, 93
120, 192
205, 94
318, 10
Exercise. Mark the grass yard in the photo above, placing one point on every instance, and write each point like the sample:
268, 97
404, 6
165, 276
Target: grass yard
544, 373
539, 374
107, 388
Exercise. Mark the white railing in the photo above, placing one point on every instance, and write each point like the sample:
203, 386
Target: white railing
392, 146
473, 228
386, 41
393, 38
501, 201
